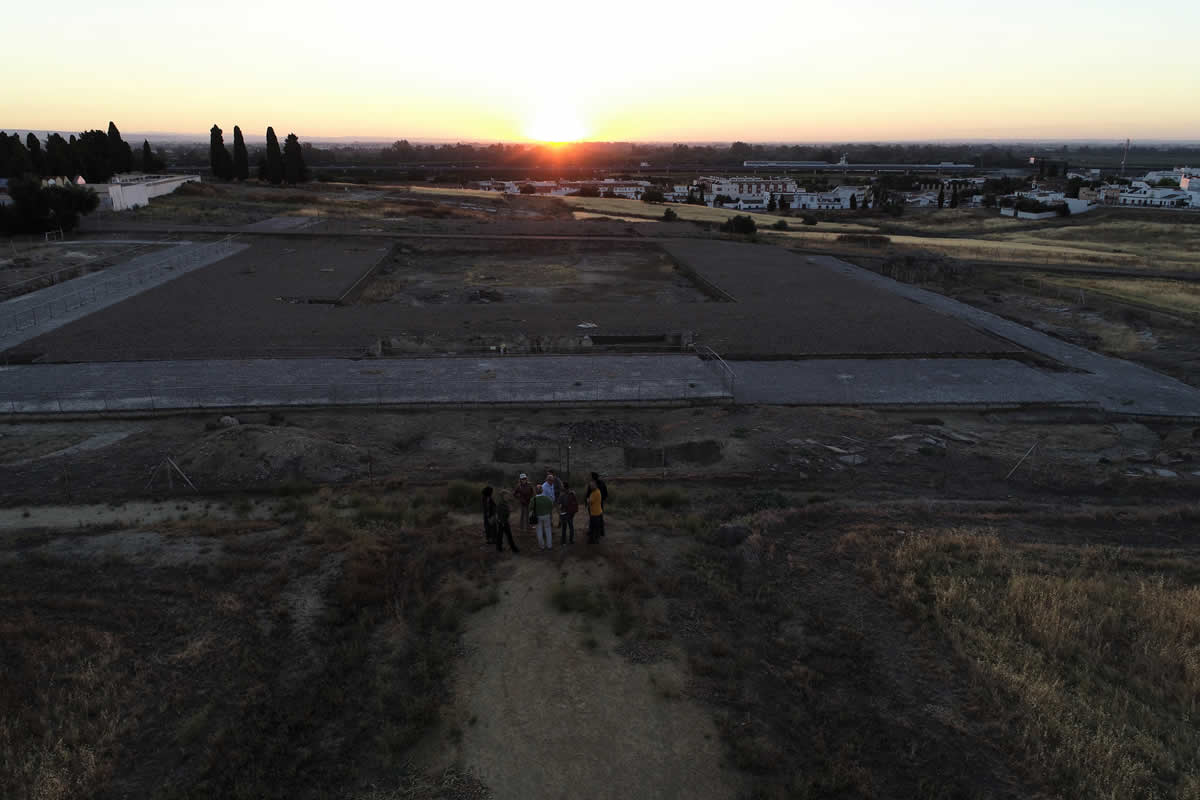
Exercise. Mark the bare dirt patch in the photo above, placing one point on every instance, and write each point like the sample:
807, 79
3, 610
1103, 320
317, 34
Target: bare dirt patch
549, 272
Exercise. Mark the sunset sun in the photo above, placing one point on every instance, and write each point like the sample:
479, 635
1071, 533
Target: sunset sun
556, 124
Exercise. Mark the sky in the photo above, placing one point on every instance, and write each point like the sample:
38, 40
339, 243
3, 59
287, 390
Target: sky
609, 71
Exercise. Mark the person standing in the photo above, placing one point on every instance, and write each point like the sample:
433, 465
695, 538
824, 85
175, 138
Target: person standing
552, 488
489, 516
568, 507
543, 507
503, 529
602, 487
595, 505
524, 494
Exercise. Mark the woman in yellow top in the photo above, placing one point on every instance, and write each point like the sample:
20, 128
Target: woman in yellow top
595, 506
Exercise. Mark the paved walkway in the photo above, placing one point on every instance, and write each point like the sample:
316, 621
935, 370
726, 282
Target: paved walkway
902, 382
30, 315
158, 385
1114, 384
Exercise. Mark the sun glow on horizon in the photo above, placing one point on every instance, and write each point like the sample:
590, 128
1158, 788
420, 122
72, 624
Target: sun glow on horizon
557, 125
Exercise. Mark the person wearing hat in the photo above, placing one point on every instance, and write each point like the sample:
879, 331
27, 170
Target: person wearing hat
524, 494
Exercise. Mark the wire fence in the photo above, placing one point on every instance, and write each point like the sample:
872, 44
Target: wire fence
40, 313
476, 391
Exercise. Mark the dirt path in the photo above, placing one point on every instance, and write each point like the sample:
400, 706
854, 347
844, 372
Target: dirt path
546, 708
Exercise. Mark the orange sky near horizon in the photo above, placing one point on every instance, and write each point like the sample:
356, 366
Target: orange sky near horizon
928, 70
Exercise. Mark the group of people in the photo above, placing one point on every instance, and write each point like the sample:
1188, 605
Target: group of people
537, 505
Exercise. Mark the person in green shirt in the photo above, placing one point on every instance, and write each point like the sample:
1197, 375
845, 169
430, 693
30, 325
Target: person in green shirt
543, 507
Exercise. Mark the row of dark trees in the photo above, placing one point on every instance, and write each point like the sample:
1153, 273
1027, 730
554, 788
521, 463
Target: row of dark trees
274, 167
95, 154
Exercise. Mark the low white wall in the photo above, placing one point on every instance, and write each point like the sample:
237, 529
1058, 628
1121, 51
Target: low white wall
126, 196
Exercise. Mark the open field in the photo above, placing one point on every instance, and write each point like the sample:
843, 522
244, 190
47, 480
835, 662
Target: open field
1174, 296
803, 603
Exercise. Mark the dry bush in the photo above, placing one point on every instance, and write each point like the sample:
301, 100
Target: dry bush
923, 266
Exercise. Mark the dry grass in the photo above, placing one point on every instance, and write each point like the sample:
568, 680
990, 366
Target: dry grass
274, 666
1180, 297
1164, 245
1091, 655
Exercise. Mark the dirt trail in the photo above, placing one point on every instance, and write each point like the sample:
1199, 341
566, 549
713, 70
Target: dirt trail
555, 718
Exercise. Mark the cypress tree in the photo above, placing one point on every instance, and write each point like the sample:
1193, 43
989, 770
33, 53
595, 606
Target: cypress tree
14, 157
293, 160
954, 197
853, 202
241, 161
942, 197
36, 157
274, 159
120, 154
218, 156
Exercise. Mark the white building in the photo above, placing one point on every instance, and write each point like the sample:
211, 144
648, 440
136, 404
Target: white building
736, 187
1155, 198
135, 190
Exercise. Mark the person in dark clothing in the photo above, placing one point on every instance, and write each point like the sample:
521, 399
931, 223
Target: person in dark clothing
503, 529
524, 495
489, 515
568, 507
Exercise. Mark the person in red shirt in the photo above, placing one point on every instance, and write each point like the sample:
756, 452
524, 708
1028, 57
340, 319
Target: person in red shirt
524, 494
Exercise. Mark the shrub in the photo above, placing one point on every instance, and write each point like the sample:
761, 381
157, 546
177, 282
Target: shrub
669, 215
809, 219
781, 225
924, 267
652, 196
742, 224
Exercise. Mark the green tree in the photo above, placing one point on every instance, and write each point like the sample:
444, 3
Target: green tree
954, 196
294, 170
652, 196
742, 223
853, 202
218, 156
59, 158
274, 159
14, 157
241, 160
151, 162
120, 154
942, 197
93, 157
36, 208
35, 154
527, 188
771, 204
